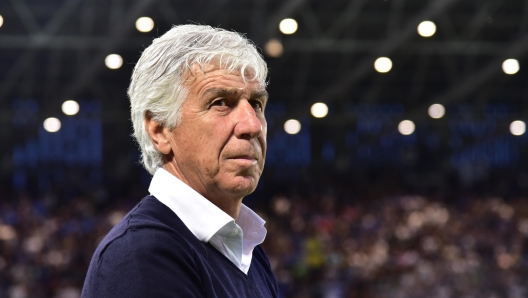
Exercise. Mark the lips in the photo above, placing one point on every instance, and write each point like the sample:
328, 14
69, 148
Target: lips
248, 157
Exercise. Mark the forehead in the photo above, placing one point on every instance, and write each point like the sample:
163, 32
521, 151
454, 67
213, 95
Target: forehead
212, 74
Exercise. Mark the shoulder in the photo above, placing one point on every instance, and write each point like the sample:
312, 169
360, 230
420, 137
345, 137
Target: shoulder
142, 254
148, 225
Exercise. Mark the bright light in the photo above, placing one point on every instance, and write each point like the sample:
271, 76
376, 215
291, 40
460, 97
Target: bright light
288, 26
426, 29
113, 61
510, 66
70, 107
292, 126
144, 24
273, 48
52, 124
1, 20
518, 128
436, 111
406, 127
319, 110
383, 64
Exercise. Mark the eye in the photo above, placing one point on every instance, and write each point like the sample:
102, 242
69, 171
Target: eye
219, 103
256, 104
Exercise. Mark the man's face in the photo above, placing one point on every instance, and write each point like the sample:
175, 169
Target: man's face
219, 145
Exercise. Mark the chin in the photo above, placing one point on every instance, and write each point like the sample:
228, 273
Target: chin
244, 185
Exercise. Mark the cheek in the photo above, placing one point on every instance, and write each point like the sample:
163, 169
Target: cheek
212, 141
263, 144
263, 137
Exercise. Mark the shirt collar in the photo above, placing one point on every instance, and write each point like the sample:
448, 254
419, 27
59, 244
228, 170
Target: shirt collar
202, 217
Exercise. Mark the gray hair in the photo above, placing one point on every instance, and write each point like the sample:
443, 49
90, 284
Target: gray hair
158, 87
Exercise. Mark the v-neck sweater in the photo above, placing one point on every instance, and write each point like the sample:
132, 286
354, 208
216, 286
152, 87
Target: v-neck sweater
151, 253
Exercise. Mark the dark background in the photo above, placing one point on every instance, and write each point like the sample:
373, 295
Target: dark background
54, 50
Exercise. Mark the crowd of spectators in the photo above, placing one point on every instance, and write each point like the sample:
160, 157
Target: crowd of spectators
322, 246
46, 244
407, 246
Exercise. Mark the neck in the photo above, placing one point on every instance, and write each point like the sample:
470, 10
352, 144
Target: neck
228, 204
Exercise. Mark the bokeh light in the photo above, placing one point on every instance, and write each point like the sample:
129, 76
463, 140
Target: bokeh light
383, 64
52, 124
510, 66
292, 126
436, 111
273, 48
144, 24
70, 107
288, 26
7, 232
113, 61
1, 20
426, 29
319, 110
406, 127
518, 128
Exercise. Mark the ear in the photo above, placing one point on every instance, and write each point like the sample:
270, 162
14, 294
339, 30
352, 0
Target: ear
158, 134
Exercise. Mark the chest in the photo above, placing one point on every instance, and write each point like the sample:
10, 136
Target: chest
221, 278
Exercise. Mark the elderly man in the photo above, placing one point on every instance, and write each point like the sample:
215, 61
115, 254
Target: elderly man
197, 101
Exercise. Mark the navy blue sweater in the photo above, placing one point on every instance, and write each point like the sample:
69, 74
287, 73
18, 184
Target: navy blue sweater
151, 253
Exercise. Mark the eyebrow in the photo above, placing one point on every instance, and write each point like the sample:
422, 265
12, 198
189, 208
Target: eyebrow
232, 92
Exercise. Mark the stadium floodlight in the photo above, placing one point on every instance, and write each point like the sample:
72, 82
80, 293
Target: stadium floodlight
70, 107
144, 24
288, 26
426, 29
52, 124
319, 110
406, 127
292, 126
518, 128
383, 65
510, 66
436, 111
113, 61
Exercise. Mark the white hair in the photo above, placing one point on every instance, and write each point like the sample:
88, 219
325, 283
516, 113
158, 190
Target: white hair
158, 87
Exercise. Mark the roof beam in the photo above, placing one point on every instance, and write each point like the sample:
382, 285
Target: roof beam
167, 11
480, 19
40, 37
316, 45
25, 14
435, 8
258, 16
310, 20
343, 21
110, 44
474, 81
393, 25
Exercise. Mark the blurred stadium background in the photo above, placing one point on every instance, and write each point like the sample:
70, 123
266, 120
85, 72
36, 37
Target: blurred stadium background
395, 167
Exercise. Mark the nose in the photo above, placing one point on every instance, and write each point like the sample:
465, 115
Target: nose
248, 124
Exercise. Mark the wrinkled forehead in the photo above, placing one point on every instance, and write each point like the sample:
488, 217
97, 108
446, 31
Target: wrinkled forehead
197, 70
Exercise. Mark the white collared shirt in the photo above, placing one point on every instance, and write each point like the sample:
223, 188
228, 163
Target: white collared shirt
236, 239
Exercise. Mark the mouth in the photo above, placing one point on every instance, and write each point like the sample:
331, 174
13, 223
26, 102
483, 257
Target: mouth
243, 157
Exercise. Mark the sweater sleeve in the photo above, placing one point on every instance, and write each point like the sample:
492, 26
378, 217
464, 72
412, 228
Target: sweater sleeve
145, 263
